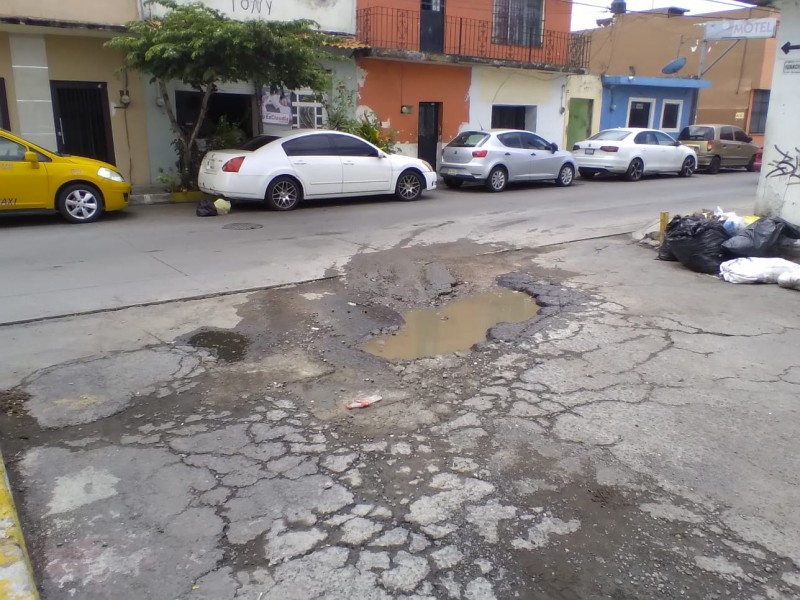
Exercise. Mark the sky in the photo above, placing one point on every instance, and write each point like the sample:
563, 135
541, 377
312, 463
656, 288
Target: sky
584, 16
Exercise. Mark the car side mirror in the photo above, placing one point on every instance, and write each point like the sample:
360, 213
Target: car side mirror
381, 155
554, 147
748, 139
32, 158
676, 144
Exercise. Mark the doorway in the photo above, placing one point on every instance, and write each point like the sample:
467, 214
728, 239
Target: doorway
82, 119
640, 112
431, 26
429, 132
579, 125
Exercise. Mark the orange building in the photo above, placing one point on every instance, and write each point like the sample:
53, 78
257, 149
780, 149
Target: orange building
435, 67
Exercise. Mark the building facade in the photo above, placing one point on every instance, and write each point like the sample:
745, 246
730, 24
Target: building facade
436, 67
740, 73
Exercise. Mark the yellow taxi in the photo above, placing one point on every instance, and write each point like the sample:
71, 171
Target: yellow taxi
81, 189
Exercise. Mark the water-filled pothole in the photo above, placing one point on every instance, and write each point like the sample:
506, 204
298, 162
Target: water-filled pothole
229, 346
458, 325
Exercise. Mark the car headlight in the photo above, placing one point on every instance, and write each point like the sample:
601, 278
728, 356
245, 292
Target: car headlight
107, 173
427, 165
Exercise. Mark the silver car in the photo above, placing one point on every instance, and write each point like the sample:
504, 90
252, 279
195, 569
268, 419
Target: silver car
499, 156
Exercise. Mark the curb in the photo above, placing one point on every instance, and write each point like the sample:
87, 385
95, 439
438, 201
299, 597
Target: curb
16, 575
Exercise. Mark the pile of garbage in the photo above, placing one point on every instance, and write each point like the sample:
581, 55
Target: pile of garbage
737, 249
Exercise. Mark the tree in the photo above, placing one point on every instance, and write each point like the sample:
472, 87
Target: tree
201, 47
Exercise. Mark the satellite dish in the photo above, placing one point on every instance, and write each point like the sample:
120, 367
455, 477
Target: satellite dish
675, 66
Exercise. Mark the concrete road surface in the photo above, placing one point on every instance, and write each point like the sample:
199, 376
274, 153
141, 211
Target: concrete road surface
157, 253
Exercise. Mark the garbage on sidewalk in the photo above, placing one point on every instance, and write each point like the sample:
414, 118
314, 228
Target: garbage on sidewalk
761, 239
696, 242
364, 402
223, 206
757, 270
206, 208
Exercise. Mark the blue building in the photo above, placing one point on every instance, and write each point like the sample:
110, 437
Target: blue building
664, 103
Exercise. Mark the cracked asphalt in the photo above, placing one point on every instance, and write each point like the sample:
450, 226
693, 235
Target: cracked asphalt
639, 438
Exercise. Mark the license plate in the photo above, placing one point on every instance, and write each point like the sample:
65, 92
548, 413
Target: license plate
590, 151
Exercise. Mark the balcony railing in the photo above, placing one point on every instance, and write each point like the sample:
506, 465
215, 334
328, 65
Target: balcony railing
398, 29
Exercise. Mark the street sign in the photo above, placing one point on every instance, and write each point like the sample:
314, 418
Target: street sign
789, 46
791, 66
741, 29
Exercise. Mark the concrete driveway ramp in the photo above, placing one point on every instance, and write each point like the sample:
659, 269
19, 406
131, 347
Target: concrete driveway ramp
87, 390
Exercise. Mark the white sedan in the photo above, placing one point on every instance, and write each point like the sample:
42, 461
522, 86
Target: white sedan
283, 171
633, 153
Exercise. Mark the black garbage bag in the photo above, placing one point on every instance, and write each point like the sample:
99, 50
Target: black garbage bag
206, 208
697, 244
761, 239
664, 253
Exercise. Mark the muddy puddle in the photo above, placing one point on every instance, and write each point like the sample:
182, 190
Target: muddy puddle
228, 346
458, 325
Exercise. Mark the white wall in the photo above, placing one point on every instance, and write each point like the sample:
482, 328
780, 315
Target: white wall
335, 16
546, 91
779, 186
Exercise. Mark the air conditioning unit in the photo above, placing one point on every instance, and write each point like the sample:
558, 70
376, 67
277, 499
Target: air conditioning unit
618, 7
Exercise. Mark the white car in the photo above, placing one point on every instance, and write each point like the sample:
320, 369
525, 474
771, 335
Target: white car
308, 164
633, 153
497, 157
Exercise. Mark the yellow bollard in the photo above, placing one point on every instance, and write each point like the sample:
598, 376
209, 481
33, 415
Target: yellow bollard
662, 226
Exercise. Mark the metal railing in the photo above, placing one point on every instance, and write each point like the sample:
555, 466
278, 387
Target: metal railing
398, 29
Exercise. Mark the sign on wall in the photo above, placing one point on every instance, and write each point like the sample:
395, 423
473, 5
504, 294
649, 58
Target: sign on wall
749, 29
276, 107
333, 16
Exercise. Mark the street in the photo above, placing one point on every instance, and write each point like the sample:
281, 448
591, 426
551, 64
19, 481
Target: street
174, 392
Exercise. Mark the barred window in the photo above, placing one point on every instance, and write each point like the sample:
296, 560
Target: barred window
758, 118
518, 22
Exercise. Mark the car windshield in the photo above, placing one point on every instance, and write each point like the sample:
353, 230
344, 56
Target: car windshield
468, 139
696, 132
612, 135
257, 142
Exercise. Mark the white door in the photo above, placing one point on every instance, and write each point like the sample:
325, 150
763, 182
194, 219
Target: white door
363, 171
648, 148
673, 155
315, 164
517, 159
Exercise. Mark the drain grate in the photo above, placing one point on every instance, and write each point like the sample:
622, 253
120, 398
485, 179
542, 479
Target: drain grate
242, 226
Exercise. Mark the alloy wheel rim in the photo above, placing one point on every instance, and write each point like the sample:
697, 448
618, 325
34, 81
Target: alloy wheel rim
81, 204
566, 176
284, 195
409, 186
636, 169
498, 180
688, 166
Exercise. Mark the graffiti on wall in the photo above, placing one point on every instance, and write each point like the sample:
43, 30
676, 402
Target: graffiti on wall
788, 165
252, 7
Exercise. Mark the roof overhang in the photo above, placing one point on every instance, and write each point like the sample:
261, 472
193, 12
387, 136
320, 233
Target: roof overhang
662, 82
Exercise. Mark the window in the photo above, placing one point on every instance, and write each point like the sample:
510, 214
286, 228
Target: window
611, 135
647, 138
11, 151
468, 139
696, 133
307, 110
508, 117
347, 146
741, 136
534, 142
758, 114
510, 140
726, 134
5, 121
639, 112
518, 23
309, 145
258, 142
664, 139
671, 114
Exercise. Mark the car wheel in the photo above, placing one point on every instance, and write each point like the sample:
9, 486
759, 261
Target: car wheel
687, 169
284, 193
587, 173
453, 183
80, 203
635, 170
565, 176
751, 166
409, 186
497, 180
715, 165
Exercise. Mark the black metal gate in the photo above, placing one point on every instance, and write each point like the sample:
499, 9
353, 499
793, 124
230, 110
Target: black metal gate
83, 121
431, 34
429, 131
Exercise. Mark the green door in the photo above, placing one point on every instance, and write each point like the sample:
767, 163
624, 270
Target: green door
579, 126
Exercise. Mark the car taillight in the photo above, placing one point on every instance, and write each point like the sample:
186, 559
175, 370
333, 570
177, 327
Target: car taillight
711, 144
233, 165
479, 153
609, 148
576, 147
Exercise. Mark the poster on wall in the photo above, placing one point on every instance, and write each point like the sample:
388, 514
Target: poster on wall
276, 107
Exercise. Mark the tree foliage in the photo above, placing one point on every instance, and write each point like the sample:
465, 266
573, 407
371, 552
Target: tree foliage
202, 47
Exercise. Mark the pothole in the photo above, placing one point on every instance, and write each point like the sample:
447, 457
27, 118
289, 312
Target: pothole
229, 346
458, 325
12, 402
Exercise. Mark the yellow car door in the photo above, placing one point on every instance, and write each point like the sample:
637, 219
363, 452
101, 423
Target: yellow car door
23, 179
